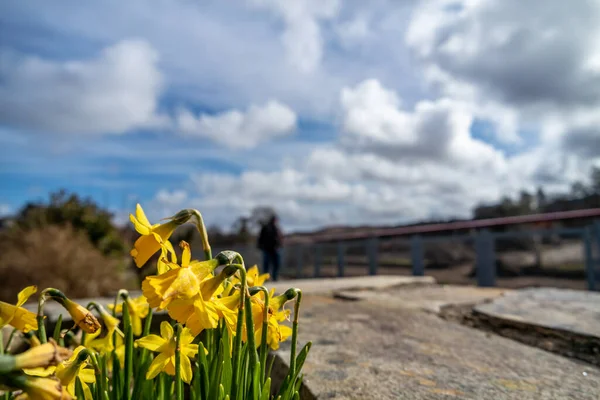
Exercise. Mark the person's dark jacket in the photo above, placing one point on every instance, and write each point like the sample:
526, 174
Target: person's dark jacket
269, 238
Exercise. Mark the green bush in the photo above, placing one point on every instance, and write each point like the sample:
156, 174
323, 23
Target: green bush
83, 215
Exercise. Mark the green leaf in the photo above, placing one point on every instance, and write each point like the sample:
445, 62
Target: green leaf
227, 367
128, 373
203, 371
298, 383
301, 358
266, 390
221, 392
255, 384
56, 334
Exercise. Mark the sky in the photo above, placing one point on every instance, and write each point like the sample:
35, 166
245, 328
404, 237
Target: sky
330, 111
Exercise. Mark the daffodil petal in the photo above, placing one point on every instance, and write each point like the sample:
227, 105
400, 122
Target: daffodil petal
186, 256
139, 227
186, 368
190, 350
87, 393
158, 364
40, 371
87, 375
166, 330
186, 337
141, 215
144, 248
24, 320
25, 294
151, 342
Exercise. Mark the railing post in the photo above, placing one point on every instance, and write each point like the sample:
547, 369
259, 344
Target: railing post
486, 259
317, 252
341, 251
299, 261
373, 249
416, 255
590, 267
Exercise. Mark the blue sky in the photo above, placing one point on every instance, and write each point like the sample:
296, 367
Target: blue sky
330, 111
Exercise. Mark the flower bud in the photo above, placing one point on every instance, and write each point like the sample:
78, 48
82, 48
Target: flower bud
43, 356
81, 315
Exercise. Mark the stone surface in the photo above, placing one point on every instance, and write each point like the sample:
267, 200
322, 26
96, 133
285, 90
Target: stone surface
379, 350
557, 309
428, 298
331, 285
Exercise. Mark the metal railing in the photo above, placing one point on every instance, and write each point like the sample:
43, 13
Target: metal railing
483, 243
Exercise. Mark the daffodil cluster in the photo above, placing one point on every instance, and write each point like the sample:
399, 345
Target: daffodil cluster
208, 324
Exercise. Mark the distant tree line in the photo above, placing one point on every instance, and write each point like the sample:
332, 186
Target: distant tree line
581, 196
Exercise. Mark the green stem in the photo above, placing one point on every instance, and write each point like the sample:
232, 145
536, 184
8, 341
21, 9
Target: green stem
10, 338
98, 373
128, 353
56, 334
178, 384
40, 317
237, 344
55, 295
121, 293
253, 357
295, 333
203, 234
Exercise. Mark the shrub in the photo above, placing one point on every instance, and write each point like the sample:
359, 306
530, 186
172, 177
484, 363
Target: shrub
82, 214
55, 256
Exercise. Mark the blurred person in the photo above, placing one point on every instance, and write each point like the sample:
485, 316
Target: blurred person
269, 242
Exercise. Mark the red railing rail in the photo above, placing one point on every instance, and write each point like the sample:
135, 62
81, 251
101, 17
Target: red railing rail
450, 226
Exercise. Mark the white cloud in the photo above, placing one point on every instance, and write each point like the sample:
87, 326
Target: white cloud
176, 198
440, 130
389, 165
112, 93
521, 63
302, 37
405, 149
237, 129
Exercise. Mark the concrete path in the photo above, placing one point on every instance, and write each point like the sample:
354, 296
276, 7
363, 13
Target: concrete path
560, 309
374, 349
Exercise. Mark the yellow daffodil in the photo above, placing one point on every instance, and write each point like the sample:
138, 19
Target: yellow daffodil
253, 277
276, 333
153, 236
35, 388
41, 356
81, 315
74, 368
197, 313
200, 312
166, 251
227, 309
181, 282
112, 323
17, 316
106, 344
138, 310
165, 345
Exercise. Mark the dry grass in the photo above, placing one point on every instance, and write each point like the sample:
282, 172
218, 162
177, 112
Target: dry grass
55, 256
